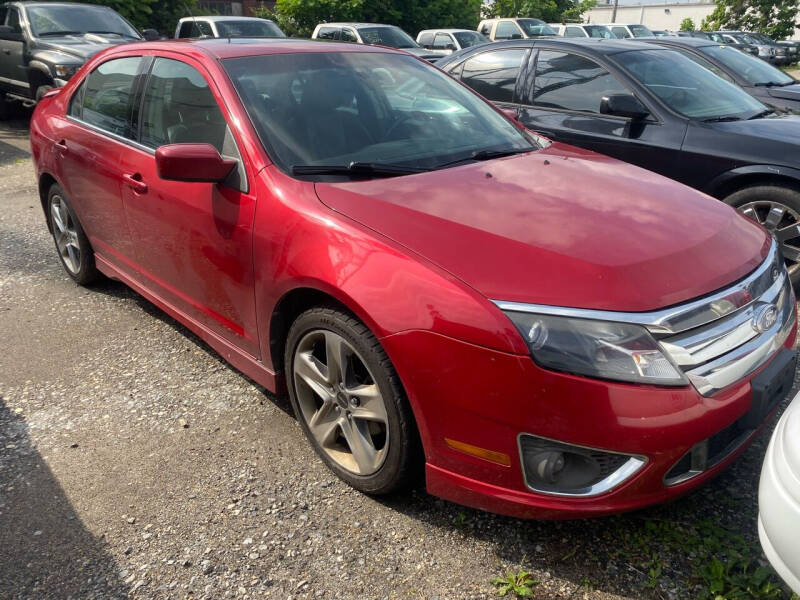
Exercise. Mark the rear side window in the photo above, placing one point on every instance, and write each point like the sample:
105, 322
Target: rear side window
507, 30
576, 32
107, 95
620, 32
426, 39
195, 29
571, 82
327, 33
494, 74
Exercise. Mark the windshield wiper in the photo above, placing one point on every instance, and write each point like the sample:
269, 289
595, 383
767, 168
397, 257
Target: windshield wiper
760, 114
119, 33
722, 119
486, 155
356, 168
54, 33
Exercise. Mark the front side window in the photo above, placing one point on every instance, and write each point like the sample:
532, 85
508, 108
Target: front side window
248, 28
108, 94
179, 108
506, 30
621, 32
394, 37
339, 108
686, 87
470, 38
13, 20
425, 39
75, 19
640, 31
574, 32
486, 29
534, 27
494, 74
572, 82
348, 35
599, 31
753, 70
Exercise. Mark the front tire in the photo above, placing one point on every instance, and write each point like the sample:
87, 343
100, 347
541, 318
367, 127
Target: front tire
349, 402
73, 246
777, 208
42, 90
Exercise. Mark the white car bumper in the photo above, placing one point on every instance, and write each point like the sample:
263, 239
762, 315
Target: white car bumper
779, 498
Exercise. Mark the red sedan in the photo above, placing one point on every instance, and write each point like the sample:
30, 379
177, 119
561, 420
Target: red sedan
549, 332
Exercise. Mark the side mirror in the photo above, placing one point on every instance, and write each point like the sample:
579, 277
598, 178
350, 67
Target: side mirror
516, 36
450, 47
151, 35
623, 105
192, 162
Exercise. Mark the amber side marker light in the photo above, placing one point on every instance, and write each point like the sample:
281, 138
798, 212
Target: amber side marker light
490, 455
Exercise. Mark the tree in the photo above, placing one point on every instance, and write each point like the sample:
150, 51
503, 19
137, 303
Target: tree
547, 10
775, 18
299, 17
687, 24
161, 15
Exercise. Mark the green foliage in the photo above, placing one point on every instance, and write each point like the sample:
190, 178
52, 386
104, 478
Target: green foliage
687, 24
560, 11
776, 18
460, 520
299, 17
519, 584
161, 15
737, 579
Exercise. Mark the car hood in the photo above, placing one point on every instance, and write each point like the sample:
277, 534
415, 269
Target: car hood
561, 226
789, 92
81, 46
423, 53
772, 134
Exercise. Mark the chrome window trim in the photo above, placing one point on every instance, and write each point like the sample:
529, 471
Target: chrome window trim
626, 471
113, 136
669, 321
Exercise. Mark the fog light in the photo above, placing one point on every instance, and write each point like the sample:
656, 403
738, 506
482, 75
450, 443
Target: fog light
552, 467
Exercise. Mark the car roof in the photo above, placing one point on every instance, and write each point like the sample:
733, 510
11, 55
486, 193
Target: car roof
222, 48
444, 30
689, 42
217, 18
37, 4
596, 45
356, 25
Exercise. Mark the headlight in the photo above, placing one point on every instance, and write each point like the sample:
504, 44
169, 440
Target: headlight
602, 349
66, 71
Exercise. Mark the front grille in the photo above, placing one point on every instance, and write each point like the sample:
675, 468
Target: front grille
727, 349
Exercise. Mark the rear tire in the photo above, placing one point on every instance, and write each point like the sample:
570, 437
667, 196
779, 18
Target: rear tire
350, 403
72, 245
777, 208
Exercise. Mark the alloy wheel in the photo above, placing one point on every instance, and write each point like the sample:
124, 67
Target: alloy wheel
340, 402
784, 225
65, 234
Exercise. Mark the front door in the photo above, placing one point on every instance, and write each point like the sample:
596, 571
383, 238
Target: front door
13, 74
193, 241
563, 103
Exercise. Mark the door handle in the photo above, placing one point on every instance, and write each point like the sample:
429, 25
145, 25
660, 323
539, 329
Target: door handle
135, 182
61, 146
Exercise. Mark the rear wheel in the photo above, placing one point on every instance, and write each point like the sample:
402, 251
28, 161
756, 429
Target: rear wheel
73, 246
349, 401
777, 208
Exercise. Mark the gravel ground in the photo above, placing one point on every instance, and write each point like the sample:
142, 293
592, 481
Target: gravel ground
134, 463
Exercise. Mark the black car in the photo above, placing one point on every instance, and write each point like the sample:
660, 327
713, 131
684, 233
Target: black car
42, 44
758, 78
653, 107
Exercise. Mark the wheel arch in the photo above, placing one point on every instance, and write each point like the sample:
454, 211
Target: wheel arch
46, 181
732, 181
38, 74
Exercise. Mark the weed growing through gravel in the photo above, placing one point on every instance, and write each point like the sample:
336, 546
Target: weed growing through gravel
520, 584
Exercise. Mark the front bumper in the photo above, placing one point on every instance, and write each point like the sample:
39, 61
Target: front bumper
486, 398
779, 498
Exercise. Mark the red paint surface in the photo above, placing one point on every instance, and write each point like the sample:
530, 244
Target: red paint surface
418, 259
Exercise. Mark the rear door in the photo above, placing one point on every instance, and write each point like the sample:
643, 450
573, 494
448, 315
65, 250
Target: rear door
193, 241
562, 101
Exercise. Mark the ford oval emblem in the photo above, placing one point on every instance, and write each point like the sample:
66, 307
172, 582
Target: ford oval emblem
765, 317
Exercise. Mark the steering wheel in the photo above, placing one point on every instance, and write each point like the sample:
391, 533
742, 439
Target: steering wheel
403, 119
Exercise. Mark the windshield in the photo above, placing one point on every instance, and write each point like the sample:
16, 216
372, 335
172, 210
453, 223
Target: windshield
470, 38
686, 87
640, 31
77, 19
599, 31
534, 27
340, 108
241, 28
753, 70
393, 37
